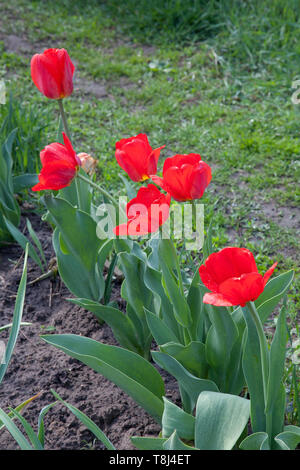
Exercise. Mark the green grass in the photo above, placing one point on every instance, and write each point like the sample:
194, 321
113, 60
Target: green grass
214, 80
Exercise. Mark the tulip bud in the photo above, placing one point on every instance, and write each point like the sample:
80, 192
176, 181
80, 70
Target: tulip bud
52, 73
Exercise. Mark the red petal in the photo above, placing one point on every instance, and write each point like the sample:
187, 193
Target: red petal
55, 175
200, 179
179, 160
176, 182
208, 279
230, 262
269, 273
152, 161
216, 299
244, 289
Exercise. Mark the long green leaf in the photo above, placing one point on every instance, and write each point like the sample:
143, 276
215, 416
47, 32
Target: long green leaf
17, 316
253, 374
176, 419
181, 308
174, 443
128, 370
220, 420
36, 240
273, 292
148, 443
290, 437
41, 426
120, 324
87, 422
192, 385
23, 241
255, 441
14, 431
161, 333
275, 390
29, 431
19, 408
77, 247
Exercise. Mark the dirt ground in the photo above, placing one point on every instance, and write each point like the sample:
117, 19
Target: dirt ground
36, 367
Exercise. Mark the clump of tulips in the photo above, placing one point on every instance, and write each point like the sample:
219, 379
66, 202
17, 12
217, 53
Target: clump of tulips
209, 329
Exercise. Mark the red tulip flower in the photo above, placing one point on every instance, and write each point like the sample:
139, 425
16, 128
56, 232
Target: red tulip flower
185, 177
137, 157
232, 276
59, 166
52, 73
146, 212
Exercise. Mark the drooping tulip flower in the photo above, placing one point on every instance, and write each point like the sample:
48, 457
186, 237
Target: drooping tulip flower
88, 163
59, 166
52, 73
232, 277
185, 177
137, 158
146, 212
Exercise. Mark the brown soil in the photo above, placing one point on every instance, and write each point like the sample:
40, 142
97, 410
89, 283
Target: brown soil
38, 367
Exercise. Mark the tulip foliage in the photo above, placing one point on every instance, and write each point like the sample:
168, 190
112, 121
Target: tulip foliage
208, 326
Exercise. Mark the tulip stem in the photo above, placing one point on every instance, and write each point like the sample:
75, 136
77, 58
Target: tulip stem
66, 128
101, 190
64, 118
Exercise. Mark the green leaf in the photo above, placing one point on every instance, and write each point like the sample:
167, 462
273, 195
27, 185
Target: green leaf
273, 292
256, 441
253, 374
14, 431
41, 427
194, 299
221, 336
137, 294
90, 425
78, 190
77, 248
119, 322
148, 443
26, 181
174, 443
191, 356
220, 420
17, 316
9, 325
129, 371
29, 431
161, 333
275, 390
175, 419
220, 341
192, 385
36, 241
20, 408
154, 282
74, 273
167, 254
289, 438
208, 247
23, 241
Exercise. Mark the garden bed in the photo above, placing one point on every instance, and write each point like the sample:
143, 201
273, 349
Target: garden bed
37, 367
